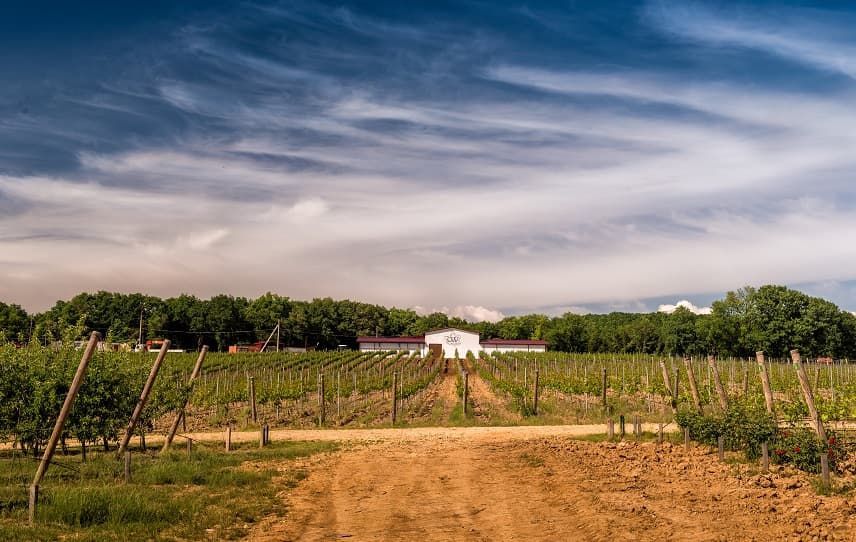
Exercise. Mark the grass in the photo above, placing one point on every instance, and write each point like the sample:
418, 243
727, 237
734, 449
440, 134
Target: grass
206, 494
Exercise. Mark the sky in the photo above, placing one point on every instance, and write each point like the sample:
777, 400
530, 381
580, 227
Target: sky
481, 158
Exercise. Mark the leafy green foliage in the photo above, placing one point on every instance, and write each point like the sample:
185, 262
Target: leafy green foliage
745, 425
770, 318
800, 447
34, 382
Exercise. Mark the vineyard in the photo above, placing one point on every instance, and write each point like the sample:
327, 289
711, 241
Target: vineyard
587, 386
722, 402
356, 389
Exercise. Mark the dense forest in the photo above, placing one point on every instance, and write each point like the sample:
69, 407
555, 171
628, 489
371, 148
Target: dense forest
770, 318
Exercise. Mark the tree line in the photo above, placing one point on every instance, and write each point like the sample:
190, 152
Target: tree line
770, 318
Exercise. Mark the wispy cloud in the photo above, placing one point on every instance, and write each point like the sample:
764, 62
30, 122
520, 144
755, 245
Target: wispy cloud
791, 35
479, 174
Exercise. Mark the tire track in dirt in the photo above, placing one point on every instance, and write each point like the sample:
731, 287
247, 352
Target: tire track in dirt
485, 485
429, 490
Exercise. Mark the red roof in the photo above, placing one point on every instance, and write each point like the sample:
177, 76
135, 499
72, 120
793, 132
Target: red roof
512, 342
409, 340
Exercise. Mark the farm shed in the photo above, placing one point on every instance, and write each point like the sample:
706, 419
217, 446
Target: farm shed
450, 341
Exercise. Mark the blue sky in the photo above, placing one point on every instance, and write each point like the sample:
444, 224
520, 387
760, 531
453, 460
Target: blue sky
486, 158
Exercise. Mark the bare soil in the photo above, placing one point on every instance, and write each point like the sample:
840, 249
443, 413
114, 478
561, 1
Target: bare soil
537, 483
489, 407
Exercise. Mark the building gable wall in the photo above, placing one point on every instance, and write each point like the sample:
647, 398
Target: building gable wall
455, 340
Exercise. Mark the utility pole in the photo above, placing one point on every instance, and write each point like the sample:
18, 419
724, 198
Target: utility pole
140, 339
278, 323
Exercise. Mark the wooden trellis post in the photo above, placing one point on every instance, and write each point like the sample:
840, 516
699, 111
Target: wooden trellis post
603, 386
693, 387
535, 398
193, 376
144, 397
765, 382
76, 382
809, 396
394, 413
717, 382
667, 383
322, 402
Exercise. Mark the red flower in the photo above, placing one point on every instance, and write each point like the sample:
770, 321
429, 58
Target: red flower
796, 449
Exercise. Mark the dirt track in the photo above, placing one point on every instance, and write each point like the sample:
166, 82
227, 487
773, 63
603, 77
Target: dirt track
523, 484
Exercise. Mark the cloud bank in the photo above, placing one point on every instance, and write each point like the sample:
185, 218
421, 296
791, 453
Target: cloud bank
466, 312
434, 158
669, 309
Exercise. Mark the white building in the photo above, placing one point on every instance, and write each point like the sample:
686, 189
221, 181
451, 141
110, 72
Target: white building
450, 342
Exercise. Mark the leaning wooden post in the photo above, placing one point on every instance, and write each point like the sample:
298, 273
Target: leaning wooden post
676, 385
809, 396
144, 397
252, 390
717, 383
693, 386
229, 438
667, 383
535, 397
322, 403
603, 386
394, 402
174, 427
76, 382
765, 382
466, 392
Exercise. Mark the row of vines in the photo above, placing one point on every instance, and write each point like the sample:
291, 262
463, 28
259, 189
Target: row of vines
620, 385
357, 387
635, 384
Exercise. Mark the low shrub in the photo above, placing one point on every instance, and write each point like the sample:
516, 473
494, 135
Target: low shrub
745, 425
800, 447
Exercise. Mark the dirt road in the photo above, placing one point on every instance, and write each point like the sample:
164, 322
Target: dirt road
535, 483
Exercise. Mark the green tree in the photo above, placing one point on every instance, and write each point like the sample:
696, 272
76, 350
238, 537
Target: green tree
265, 311
14, 322
680, 332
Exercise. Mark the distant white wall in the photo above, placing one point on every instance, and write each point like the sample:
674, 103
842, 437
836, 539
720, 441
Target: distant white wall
397, 347
453, 340
514, 348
